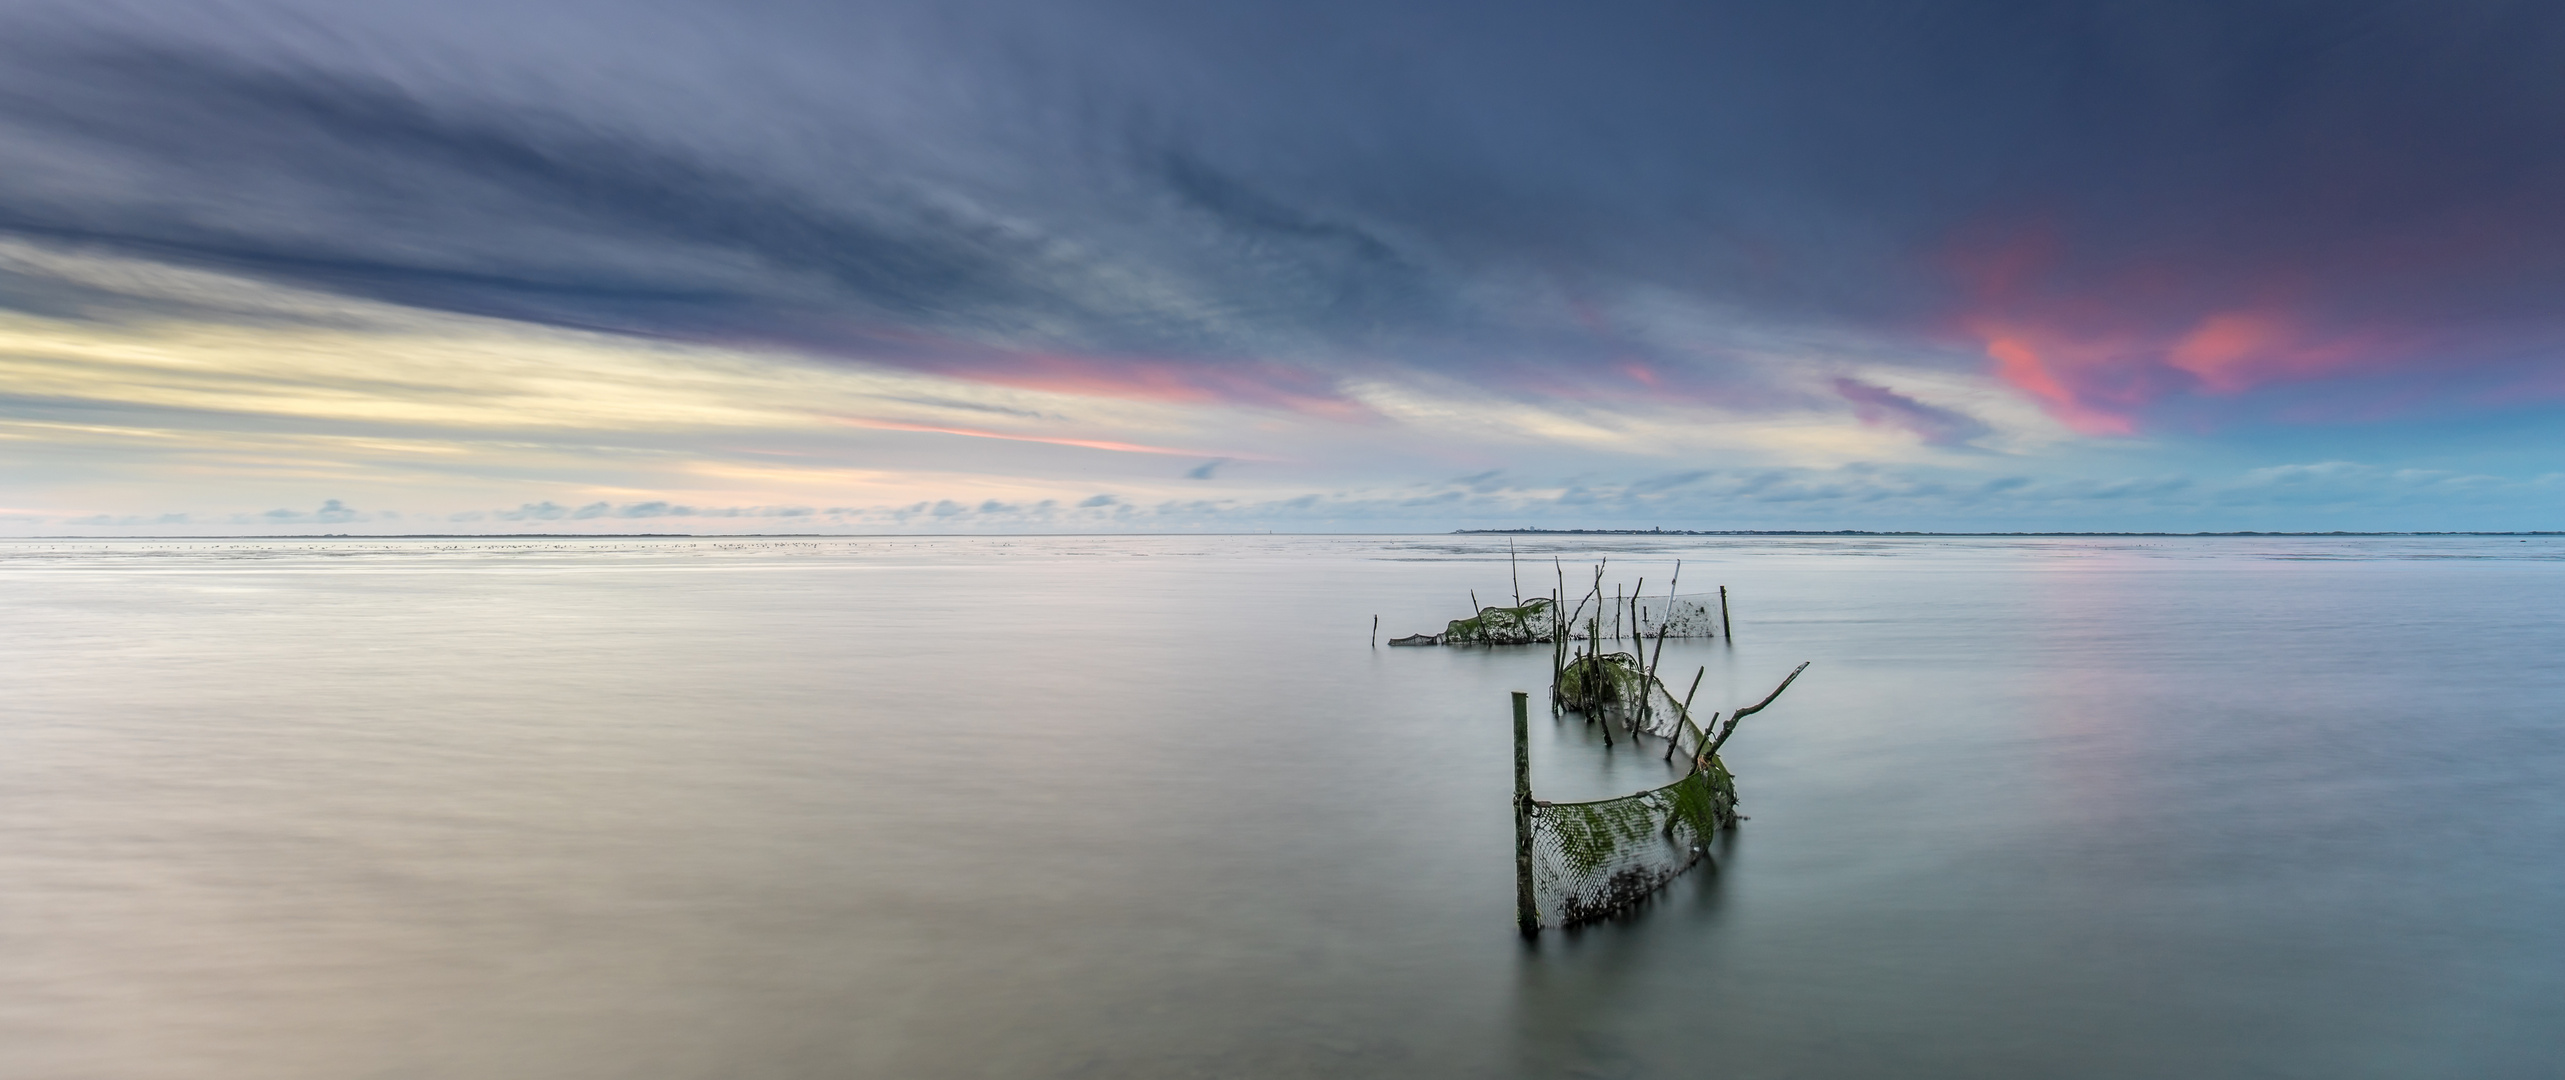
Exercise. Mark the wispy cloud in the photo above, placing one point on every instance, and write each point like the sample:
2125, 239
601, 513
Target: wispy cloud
1090, 444
1933, 424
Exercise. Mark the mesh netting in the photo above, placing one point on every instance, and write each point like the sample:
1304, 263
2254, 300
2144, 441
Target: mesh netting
1613, 688
1677, 616
1534, 623
1590, 859
1538, 621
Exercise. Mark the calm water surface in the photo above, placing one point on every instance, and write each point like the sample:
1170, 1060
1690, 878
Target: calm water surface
1153, 807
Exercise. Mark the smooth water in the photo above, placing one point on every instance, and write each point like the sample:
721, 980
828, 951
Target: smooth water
1154, 807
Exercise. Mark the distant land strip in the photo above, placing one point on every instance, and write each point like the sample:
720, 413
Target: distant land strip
1876, 532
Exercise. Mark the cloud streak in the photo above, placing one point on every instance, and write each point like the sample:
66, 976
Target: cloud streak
1088, 444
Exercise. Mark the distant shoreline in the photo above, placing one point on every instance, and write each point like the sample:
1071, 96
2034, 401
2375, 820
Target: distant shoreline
1875, 532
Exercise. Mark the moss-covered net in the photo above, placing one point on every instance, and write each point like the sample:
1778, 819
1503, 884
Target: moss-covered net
1538, 621
1615, 689
1590, 859
1533, 623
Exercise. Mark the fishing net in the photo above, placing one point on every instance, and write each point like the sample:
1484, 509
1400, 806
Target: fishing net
1590, 859
1677, 616
1616, 689
1537, 621
1533, 623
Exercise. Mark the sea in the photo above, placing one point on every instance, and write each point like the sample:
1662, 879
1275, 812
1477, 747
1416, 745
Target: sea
1169, 806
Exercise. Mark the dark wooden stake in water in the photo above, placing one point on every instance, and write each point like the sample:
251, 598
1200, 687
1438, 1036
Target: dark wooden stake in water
1375, 631
1665, 618
1676, 739
1724, 635
1639, 658
1595, 670
1527, 914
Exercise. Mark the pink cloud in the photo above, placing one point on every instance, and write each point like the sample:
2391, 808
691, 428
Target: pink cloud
2095, 356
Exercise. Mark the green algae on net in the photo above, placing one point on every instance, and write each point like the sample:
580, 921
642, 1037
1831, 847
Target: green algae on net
1530, 624
1582, 861
1593, 683
1537, 621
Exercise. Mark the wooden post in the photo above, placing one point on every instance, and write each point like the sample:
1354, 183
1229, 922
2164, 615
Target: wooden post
1663, 620
1527, 912
1676, 739
1595, 669
1724, 633
1375, 631
1554, 652
1638, 659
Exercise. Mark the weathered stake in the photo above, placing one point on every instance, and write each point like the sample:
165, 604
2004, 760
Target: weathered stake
1662, 621
1596, 670
1676, 739
1375, 631
1527, 913
1724, 635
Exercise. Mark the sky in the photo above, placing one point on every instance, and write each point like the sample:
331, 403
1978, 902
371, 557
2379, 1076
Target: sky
1065, 266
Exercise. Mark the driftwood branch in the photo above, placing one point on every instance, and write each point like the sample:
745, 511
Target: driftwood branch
1749, 710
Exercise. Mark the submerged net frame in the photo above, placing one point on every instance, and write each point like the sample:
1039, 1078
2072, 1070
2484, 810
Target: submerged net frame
1591, 859
1578, 862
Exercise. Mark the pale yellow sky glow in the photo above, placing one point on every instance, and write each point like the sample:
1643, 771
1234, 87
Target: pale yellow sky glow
265, 403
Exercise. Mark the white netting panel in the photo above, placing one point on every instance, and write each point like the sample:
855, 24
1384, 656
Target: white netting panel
1686, 615
1591, 859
